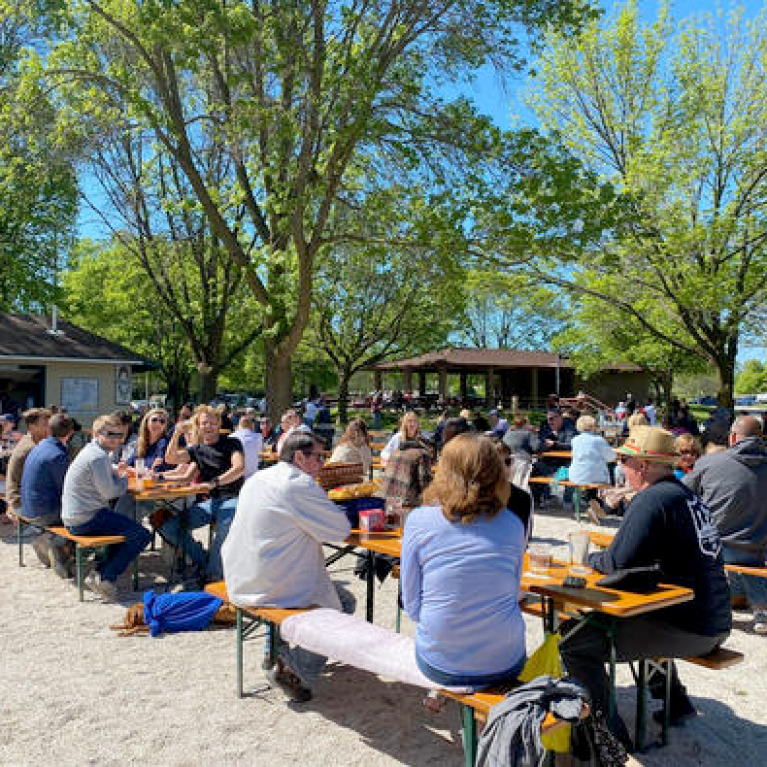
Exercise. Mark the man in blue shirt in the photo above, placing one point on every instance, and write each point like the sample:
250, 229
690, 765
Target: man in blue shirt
41, 486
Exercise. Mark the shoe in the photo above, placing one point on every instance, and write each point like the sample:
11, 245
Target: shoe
760, 626
59, 562
42, 547
681, 710
281, 676
106, 589
738, 603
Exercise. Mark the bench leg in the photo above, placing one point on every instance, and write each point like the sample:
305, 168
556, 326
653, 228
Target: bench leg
239, 652
398, 619
469, 736
79, 570
666, 665
641, 705
577, 503
370, 586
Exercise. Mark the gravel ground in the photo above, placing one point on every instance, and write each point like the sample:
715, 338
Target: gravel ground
75, 693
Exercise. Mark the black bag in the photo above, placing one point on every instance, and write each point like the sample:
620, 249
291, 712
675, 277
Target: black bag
637, 579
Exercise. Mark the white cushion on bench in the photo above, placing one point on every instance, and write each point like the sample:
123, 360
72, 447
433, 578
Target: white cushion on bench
357, 643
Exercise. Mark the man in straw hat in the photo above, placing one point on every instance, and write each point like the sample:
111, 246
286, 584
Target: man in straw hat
665, 523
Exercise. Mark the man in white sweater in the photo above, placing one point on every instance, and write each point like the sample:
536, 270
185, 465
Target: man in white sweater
273, 554
90, 484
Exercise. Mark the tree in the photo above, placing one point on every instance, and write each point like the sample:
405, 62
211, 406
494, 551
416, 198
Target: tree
509, 311
674, 118
305, 98
109, 293
38, 191
752, 378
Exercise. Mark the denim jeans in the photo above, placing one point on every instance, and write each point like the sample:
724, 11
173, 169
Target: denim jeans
752, 587
119, 556
218, 511
467, 680
308, 665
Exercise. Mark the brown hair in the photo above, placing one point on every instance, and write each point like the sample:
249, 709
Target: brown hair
33, 415
142, 443
471, 480
356, 433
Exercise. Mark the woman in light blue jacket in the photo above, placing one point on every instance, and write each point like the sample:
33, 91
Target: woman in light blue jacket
590, 454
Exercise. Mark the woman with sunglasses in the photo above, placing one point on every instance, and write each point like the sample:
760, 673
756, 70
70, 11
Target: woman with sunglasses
152, 441
688, 450
462, 555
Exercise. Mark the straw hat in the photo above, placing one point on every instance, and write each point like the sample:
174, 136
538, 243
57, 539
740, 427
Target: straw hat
650, 443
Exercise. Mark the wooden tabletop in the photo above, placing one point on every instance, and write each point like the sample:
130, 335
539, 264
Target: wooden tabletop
623, 604
389, 542
161, 491
556, 454
600, 539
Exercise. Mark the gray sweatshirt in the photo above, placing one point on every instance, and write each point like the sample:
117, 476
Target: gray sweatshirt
733, 484
89, 485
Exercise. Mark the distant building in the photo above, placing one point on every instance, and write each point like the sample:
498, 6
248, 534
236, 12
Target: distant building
44, 361
506, 373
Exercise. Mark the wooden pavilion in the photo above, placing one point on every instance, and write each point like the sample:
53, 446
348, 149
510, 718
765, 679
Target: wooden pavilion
530, 376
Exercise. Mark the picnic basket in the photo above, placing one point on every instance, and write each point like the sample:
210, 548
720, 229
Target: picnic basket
335, 474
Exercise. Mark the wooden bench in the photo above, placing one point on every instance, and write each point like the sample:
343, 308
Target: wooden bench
83, 544
475, 707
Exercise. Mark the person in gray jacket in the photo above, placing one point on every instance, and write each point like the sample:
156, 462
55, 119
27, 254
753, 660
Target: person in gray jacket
733, 484
89, 485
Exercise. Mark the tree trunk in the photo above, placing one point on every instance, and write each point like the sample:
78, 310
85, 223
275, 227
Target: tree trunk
208, 378
343, 395
725, 395
278, 378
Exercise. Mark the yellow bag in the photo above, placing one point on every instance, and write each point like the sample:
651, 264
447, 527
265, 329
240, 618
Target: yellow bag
546, 660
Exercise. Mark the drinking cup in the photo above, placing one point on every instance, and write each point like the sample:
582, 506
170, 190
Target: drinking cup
579, 548
140, 467
539, 558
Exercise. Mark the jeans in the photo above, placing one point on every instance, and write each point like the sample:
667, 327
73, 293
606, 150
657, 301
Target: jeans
127, 506
217, 511
119, 556
752, 587
308, 665
588, 649
467, 680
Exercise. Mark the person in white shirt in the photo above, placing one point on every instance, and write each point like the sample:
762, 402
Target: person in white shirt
273, 555
651, 412
409, 430
251, 441
289, 422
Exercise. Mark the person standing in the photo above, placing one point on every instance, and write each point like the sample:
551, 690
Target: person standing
733, 484
90, 485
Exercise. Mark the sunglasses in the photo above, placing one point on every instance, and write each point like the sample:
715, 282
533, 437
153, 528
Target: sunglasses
113, 434
156, 419
623, 458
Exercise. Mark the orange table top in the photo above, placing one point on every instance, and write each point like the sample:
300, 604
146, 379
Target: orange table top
556, 454
623, 604
161, 490
600, 539
389, 542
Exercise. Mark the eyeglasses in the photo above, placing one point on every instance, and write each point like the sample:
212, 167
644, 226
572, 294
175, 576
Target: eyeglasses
623, 458
157, 419
688, 452
113, 434
315, 454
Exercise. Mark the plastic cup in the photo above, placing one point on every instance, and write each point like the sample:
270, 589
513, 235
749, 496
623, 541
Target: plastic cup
579, 549
140, 467
539, 558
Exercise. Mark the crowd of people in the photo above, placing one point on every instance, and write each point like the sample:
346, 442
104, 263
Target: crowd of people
466, 525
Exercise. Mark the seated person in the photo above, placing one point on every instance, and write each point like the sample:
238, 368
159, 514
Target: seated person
462, 555
274, 556
523, 443
220, 463
409, 431
251, 442
556, 434
407, 473
268, 435
590, 455
688, 448
520, 501
289, 422
89, 485
42, 484
666, 523
354, 446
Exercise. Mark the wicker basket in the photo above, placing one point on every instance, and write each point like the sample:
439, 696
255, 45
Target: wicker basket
335, 474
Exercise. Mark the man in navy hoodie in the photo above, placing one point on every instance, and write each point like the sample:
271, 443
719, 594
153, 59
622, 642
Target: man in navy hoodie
41, 487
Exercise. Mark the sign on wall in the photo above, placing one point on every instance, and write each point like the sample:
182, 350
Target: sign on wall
123, 385
80, 395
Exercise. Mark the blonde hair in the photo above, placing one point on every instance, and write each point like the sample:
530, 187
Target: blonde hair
686, 442
106, 420
586, 423
471, 481
410, 416
143, 442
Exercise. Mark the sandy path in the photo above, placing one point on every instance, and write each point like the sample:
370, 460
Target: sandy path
100, 699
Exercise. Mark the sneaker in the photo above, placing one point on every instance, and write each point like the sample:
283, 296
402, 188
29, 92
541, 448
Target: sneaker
760, 624
104, 588
42, 547
281, 676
